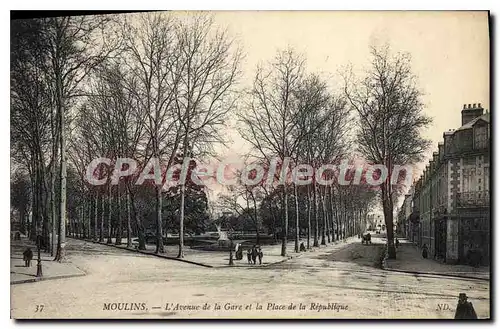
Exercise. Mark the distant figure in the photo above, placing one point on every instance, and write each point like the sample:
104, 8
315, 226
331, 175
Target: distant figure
260, 254
27, 257
465, 310
254, 254
397, 243
238, 251
239, 254
302, 247
17, 236
425, 252
249, 256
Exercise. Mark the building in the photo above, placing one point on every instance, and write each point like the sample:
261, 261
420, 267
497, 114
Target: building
451, 212
404, 216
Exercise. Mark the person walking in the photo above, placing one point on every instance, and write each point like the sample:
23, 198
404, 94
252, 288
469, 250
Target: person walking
254, 254
260, 254
425, 251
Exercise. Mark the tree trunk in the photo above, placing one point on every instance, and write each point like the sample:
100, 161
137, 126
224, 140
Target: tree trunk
285, 226
388, 217
159, 222
61, 243
316, 220
138, 223
327, 217
257, 226
110, 203
271, 210
309, 212
323, 212
297, 226
101, 230
129, 226
119, 228
181, 220
96, 199
332, 210
89, 217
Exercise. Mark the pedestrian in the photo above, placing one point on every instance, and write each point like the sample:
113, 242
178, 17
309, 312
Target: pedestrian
302, 247
27, 257
464, 310
249, 256
425, 252
260, 254
254, 254
397, 243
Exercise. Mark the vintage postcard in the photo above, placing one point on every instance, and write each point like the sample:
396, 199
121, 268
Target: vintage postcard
250, 164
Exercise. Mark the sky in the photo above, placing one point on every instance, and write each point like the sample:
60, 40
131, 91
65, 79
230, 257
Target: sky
449, 50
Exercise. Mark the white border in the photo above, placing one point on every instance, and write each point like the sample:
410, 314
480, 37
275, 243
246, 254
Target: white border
208, 5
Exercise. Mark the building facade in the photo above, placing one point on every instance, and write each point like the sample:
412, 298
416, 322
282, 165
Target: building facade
451, 212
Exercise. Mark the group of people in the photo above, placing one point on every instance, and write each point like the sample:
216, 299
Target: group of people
254, 253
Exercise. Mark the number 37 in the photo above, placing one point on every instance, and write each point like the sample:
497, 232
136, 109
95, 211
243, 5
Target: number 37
39, 308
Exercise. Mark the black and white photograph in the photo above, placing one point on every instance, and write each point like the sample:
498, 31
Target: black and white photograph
250, 165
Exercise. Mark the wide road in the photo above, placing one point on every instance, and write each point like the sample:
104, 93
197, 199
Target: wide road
345, 283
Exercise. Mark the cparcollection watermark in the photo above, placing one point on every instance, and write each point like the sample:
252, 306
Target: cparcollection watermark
278, 171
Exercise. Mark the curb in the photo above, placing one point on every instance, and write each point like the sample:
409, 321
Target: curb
180, 259
385, 268
189, 261
147, 253
48, 278
438, 274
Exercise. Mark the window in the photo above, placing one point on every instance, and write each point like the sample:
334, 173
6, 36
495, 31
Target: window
469, 179
486, 178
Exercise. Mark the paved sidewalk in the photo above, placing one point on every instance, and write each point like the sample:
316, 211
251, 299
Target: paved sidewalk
50, 269
409, 259
217, 259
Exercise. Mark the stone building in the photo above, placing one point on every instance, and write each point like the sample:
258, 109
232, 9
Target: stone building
451, 212
404, 215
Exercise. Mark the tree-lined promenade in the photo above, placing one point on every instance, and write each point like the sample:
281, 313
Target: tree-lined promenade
160, 88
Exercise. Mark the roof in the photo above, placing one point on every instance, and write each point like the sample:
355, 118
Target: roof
468, 125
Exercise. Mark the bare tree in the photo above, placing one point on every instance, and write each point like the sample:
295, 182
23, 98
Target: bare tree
31, 117
153, 57
388, 103
75, 46
270, 121
205, 92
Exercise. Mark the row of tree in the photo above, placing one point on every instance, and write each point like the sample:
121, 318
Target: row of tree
159, 87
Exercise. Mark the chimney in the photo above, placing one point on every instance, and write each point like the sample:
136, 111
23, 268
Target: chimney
470, 113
